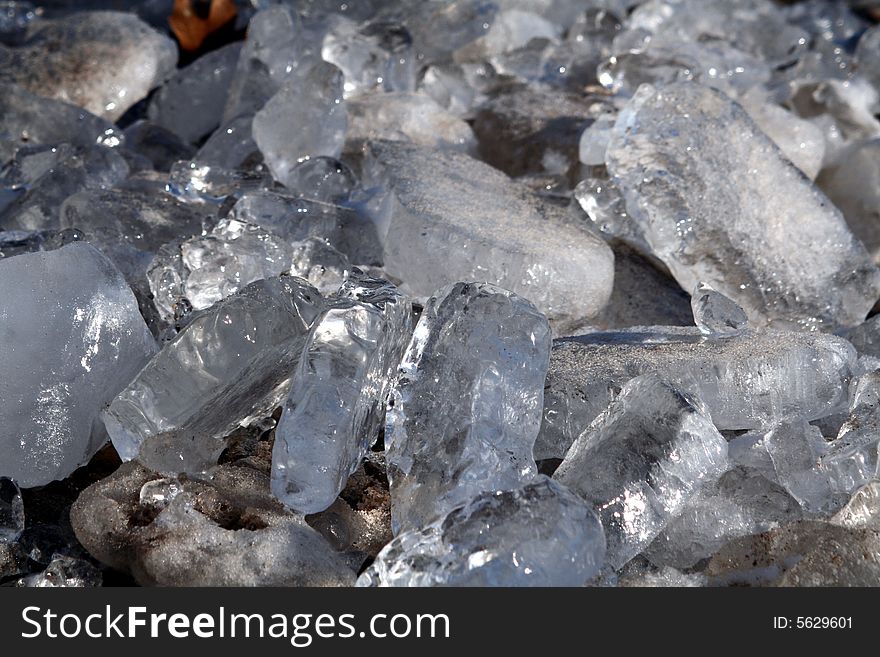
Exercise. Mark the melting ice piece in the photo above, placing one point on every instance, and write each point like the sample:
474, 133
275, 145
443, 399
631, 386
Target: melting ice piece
297, 219
276, 50
319, 263
802, 375
449, 217
337, 399
207, 268
11, 511
73, 339
203, 183
231, 363
823, 475
45, 176
29, 119
304, 119
103, 61
742, 502
863, 509
14, 242
439, 27
158, 493
372, 55
464, 413
407, 117
641, 461
700, 179
130, 225
716, 314
800, 140
65, 572
538, 535
191, 103
322, 179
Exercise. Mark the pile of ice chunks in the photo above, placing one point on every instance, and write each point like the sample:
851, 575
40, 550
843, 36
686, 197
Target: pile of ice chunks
444, 292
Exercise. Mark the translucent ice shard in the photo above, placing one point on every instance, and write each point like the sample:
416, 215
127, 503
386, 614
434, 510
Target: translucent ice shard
232, 362
191, 103
31, 119
823, 475
322, 179
305, 118
449, 217
863, 509
715, 314
130, 225
537, 535
11, 510
641, 461
464, 413
743, 501
749, 381
205, 269
65, 572
74, 338
407, 117
337, 399
800, 140
297, 219
102, 61
372, 55
319, 263
48, 175
439, 27
789, 257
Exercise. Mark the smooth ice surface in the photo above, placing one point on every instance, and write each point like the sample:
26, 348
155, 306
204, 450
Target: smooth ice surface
538, 535
304, 119
718, 203
73, 339
102, 61
465, 410
449, 217
716, 314
230, 364
11, 510
641, 461
748, 381
337, 399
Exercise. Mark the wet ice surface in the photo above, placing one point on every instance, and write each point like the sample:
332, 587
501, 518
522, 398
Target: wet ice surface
459, 292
